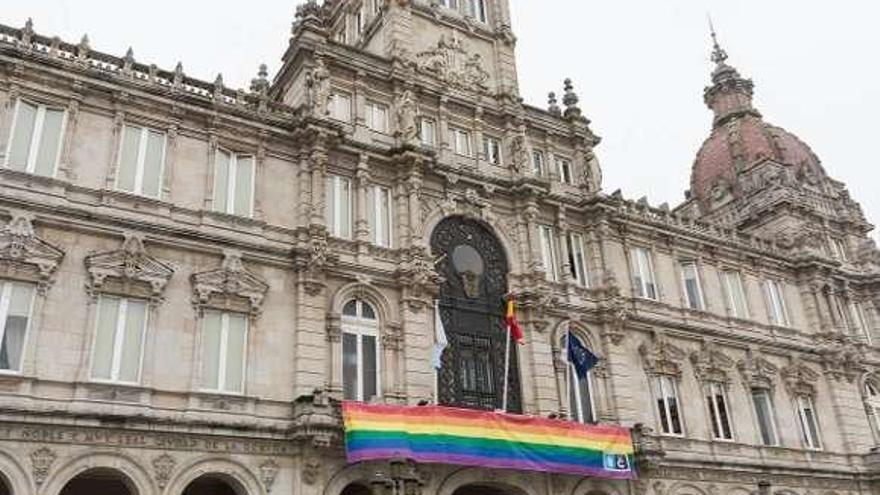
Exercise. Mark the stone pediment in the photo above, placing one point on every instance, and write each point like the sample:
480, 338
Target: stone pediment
452, 64
710, 364
23, 254
757, 371
129, 270
799, 379
221, 287
661, 357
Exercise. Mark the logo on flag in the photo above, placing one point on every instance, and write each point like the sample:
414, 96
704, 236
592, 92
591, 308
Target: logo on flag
616, 462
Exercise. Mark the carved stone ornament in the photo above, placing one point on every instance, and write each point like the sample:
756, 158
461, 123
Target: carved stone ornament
41, 462
311, 470
710, 364
841, 357
420, 280
163, 466
799, 379
407, 110
757, 371
451, 63
318, 88
468, 203
662, 357
130, 268
268, 473
518, 154
24, 254
230, 281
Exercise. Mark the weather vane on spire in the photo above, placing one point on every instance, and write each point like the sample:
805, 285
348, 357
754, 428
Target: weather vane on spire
719, 56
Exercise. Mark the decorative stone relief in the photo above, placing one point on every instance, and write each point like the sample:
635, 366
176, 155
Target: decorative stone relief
41, 462
163, 466
311, 471
130, 267
418, 276
518, 154
841, 356
268, 473
407, 110
451, 63
318, 87
23, 253
231, 280
799, 379
661, 357
710, 364
757, 372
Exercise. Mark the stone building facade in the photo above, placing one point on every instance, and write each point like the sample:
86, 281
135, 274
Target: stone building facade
192, 276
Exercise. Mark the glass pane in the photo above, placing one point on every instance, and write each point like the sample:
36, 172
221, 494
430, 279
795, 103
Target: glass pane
22, 136
385, 216
20, 299
130, 360
344, 208
350, 308
211, 351
349, 366
47, 153
102, 359
585, 394
221, 182
244, 184
723, 418
712, 415
371, 376
765, 417
16, 326
810, 417
367, 311
236, 345
128, 158
330, 205
152, 181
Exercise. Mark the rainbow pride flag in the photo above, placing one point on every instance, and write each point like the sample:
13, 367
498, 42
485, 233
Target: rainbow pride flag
444, 435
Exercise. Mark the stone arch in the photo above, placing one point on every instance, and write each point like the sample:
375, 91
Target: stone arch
739, 490
507, 240
581, 330
593, 486
372, 295
507, 482
233, 472
684, 488
135, 475
347, 476
14, 475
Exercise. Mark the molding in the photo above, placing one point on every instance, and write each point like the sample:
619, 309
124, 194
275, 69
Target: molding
24, 255
229, 286
128, 270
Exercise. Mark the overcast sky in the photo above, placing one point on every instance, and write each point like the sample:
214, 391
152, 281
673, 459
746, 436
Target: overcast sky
638, 66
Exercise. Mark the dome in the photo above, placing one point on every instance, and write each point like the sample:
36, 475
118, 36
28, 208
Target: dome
740, 138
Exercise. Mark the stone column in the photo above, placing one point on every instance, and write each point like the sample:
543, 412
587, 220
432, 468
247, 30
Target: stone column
362, 188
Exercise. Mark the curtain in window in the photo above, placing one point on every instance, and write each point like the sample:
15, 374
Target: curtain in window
152, 180
221, 182
349, 366
12, 345
128, 160
105, 338
211, 351
130, 357
244, 183
236, 344
50, 138
22, 136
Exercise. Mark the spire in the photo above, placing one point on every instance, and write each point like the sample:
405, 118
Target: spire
719, 56
730, 94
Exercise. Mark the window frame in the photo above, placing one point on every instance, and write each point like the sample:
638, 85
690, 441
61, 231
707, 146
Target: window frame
872, 401
141, 160
807, 432
335, 96
6, 288
335, 227
432, 142
712, 391
118, 339
456, 134
639, 272
701, 299
577, 254
232, 182
36, 137
549, 257
492, 150
660, 391
360, 326
573, 384
376, 192
774, 294
730, 296
539, 163
479, 11
223, 352
372, 109
771, 410
564, 169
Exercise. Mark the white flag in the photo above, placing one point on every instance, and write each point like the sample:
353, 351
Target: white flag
440, 342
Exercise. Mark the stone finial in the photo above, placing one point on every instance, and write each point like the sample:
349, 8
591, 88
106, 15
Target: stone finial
27, 33
128, 61
260, 84
82, 50
570, 100
552, 104
218, 86
178, 75
719, 56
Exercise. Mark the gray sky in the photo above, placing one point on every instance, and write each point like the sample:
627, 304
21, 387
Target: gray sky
639, 67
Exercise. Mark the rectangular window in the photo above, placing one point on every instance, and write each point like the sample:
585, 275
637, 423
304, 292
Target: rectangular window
716, 398
460, 141
765, 416
808, 422
224, 348
538, 163
841, 316
736, 296
428, 132
548, 253
838, 248
776, 303
360, 366
339, 206
643, 273
141, 159
340, 107
478, 10
860, 321
492, 150
577, 260
563, 170
377, 6
234, 184
119, 338
359, 20
377, 116
450, 4
379, 212
667, 406
16, 302
693, 290
35, 143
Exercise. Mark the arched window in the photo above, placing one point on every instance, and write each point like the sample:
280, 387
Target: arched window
872, 403
360, 351
581, 402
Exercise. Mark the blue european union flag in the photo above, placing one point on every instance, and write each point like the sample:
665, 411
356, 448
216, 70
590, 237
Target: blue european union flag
581, 357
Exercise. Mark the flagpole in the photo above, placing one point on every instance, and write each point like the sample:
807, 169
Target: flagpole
506, 370
567, 400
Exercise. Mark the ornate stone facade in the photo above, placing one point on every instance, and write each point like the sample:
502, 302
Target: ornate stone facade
199, 258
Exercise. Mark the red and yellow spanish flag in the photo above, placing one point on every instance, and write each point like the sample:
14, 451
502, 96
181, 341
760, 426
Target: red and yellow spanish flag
513, 325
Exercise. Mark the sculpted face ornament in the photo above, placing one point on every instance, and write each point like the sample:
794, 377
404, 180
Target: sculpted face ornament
470, 267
